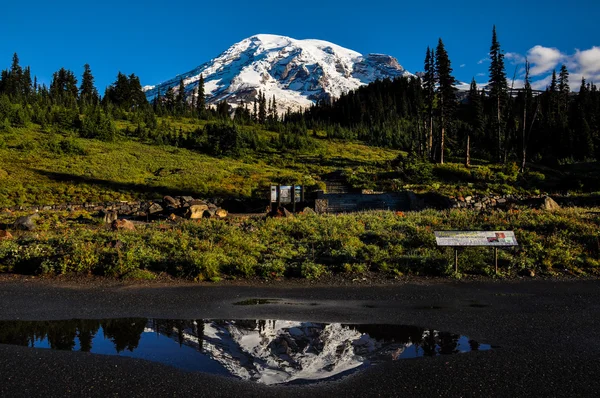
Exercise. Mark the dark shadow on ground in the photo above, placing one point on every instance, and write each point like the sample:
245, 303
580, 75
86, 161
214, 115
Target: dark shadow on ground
144, 191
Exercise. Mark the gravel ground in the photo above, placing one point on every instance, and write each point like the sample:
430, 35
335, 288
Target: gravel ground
546, 332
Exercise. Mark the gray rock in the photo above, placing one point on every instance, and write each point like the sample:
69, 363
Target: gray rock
155, 208
169, 201
550, 204
110, 216
26, 223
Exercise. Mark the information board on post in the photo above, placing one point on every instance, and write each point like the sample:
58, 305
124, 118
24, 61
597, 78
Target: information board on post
476, 238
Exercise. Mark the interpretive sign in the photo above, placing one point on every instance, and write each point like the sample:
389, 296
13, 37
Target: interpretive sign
476, 238
286, 193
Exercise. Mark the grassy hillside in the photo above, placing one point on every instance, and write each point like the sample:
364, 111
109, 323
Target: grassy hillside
43, 167
51, 166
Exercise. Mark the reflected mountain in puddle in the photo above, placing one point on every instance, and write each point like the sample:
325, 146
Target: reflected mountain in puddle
264, 351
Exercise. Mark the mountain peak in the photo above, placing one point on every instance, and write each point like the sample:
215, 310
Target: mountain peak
296, 72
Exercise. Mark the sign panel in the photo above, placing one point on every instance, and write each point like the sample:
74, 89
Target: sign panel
287, 193
476, 238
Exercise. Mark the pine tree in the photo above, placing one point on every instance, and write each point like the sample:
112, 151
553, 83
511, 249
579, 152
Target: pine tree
88, 94
262, 108
255, 111
475, 119
429, 94
446, 93
498, 89
563, 88
274, 114
181, 98
200, 98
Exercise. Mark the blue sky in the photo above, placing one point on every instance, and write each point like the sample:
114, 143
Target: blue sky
157, 39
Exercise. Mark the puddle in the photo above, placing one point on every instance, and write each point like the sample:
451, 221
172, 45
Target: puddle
264, 351
257, 301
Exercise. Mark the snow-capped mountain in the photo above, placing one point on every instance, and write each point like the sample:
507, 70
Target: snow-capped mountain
296, 72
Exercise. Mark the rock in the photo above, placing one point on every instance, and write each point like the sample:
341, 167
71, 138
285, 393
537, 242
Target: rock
5, 235
208, 213
196, 211
186, 199
468, 198
549, 204
308, 210
123, 225
197, 202
212, 206
169, 201
155, 208
221, 213
287, 213
110, 216
501, 201
26, 223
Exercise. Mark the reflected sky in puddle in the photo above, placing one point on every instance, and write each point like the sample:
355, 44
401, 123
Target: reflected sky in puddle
264, 351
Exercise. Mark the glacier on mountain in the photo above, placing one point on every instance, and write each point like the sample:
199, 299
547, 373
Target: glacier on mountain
296, 72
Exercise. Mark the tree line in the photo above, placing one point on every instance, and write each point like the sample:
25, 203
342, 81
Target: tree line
427, 115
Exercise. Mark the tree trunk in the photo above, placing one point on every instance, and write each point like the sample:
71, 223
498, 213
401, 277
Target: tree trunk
442, 135
430, 144
499, 133
524, 141
468, 151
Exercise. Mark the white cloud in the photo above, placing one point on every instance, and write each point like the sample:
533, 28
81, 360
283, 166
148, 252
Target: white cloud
462, 65
515, 58
541, 84
482, 60
543, 59
588, 60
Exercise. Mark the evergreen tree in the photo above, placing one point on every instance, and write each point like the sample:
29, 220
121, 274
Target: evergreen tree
181, 103
170, 100
63, 88
200, 99
88, 94
274, 114
429, 94
446, 93
498, 91
474, 119
262, 108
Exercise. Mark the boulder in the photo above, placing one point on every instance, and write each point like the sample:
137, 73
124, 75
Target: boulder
208, 213
110, 216
308, 210
549, 204
123, 225
26, 223
197, 202
155, 208
5, 235
196, 211
169, 201
221, 213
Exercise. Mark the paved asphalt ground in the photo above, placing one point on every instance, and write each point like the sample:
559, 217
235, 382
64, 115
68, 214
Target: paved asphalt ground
547, 332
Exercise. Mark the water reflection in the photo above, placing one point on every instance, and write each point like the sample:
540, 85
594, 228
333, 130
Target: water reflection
265, 351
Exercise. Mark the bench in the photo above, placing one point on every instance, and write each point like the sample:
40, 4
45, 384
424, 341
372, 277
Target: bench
458, 239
